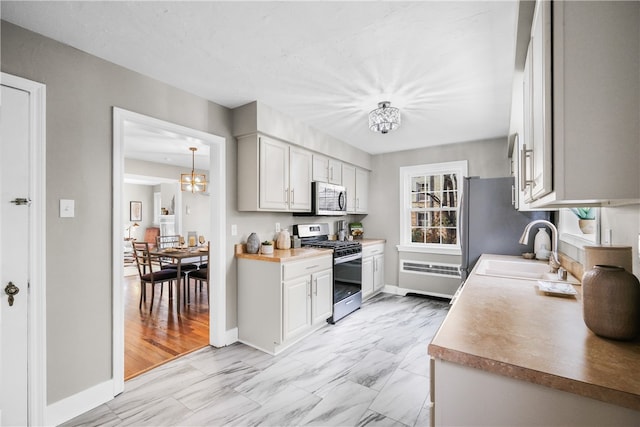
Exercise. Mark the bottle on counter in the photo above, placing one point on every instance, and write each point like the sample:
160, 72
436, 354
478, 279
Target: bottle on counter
284, 239
542, 244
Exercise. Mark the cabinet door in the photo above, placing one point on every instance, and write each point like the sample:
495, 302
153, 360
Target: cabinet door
349, 183
322, 296
525, 149
362, 190
378, 272
296, 306
541, 100
300, 165
367, 276
320, 168
274, 174
335, 172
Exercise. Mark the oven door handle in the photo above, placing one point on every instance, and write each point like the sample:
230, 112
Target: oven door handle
347, 258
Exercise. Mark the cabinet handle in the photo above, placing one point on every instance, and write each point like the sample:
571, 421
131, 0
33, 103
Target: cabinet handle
286, 195
293, 196
524, 155
315, 287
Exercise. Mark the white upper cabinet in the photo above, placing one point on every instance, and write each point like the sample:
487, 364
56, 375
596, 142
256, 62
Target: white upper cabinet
273, 175
540, 98
356, 182
582, 104
299, 179
326, 169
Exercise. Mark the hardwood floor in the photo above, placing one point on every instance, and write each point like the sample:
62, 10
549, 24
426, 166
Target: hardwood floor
152, 339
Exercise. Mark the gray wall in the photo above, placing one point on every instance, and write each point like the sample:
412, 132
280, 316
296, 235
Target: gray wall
81, 91
139, 193
487, 159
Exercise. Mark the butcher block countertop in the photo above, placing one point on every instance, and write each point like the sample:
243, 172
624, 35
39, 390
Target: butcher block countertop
365, 242
282, 255
508, 327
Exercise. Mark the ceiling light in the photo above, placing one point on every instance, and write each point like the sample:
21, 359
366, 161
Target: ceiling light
194, 182
385, 118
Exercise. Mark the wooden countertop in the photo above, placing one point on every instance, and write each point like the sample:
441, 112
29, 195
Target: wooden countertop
365, 242
508, 327
282, 255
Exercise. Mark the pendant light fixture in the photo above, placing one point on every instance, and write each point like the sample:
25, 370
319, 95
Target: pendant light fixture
385, 118
194, 182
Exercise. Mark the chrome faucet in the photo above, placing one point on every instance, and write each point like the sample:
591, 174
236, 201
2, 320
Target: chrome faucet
555, 261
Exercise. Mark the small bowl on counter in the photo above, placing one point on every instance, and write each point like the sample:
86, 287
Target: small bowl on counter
528, 255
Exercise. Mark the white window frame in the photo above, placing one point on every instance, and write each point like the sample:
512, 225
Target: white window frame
459, 168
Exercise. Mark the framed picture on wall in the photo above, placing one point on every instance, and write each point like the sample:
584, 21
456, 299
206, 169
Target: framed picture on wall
135, 211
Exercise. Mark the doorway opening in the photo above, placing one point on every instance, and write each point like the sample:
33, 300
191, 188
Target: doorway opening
213, 227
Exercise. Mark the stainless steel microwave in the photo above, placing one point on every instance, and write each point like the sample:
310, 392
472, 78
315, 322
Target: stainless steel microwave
328, 199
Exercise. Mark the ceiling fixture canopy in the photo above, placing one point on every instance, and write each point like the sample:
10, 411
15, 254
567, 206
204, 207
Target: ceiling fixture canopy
385, 118
194, 182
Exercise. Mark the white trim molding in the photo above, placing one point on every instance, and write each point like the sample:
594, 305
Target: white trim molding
459, 168
37, 339
79, 403
218, 335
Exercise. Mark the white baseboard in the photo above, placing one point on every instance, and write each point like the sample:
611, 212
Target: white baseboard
72, 406
231, 336
404, 291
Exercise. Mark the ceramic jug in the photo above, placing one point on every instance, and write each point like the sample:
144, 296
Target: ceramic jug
284, 240
611, 302
253, 243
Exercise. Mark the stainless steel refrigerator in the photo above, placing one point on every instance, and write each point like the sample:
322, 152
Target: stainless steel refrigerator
489, 222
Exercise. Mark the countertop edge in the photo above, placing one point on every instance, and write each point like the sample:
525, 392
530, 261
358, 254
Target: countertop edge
568, 384
593, 391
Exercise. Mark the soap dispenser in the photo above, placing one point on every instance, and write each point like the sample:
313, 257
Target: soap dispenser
542, 244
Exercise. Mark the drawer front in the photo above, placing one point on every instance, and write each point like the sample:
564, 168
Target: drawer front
370, 250
295, 269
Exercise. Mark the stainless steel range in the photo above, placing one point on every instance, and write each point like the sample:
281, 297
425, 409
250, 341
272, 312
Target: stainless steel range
347, 267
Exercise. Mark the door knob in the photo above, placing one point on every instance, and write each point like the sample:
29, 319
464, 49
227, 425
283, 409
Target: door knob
11, 290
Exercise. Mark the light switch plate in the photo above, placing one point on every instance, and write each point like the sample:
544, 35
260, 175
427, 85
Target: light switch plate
67, 208
234, 229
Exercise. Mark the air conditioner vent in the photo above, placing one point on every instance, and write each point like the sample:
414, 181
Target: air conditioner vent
431, 268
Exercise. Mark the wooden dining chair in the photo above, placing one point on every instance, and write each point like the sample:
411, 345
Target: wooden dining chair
147, 262
200, 275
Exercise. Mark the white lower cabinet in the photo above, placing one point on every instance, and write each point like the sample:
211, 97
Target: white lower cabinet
296, 307
372, 269
322, 297
464, 396
282, 302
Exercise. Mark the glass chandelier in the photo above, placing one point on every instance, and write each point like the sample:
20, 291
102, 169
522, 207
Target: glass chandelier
385, 118
194, 182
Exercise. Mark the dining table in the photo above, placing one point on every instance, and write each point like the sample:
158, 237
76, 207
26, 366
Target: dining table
177, 255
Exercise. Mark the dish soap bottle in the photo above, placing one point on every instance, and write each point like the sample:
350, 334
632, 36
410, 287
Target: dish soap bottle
542, 244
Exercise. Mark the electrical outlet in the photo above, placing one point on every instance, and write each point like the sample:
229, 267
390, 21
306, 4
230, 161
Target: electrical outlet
277, 227
234, 230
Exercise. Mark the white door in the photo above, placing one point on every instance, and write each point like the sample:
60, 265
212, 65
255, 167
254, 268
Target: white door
14, 255
296, 306
300, 179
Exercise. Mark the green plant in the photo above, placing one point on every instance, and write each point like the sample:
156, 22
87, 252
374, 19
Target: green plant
267, 243
584, 213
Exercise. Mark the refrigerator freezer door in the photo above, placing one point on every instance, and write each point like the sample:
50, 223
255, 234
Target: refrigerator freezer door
490, 223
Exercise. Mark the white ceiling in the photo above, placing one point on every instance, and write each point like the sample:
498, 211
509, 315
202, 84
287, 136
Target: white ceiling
448, 65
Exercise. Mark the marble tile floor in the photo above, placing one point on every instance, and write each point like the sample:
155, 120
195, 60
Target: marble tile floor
370, 368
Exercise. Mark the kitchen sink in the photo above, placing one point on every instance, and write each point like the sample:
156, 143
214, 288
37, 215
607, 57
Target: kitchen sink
520, 269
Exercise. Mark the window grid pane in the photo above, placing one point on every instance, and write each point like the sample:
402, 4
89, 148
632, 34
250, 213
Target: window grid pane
434, 203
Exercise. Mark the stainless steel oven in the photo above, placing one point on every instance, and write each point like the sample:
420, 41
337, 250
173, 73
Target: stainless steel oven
347, 267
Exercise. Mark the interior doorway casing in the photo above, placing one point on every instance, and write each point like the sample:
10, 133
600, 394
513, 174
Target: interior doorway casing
217, 190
